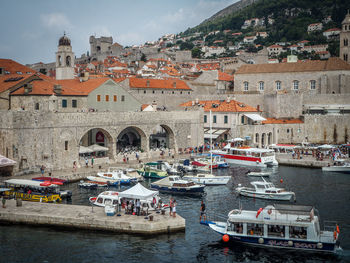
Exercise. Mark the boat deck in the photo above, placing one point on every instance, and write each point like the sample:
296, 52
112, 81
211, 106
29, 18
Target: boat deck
87, 217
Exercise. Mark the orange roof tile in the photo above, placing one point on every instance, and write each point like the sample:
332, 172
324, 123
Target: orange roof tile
232, 106
307, 66
224, 76
281, 121
208, 66
139, 83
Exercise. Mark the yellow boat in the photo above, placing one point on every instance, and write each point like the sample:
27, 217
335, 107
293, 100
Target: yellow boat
33, 191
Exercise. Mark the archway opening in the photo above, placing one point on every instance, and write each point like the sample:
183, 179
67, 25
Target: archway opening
131, 139
96, 143
263, 139
269, 138
162, 137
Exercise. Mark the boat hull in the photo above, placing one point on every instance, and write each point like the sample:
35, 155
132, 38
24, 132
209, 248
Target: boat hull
261, 241
280, 197
248, 161
178, 190
337, 169
215, 181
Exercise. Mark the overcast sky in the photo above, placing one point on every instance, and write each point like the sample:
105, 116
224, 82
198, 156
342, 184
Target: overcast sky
30, 29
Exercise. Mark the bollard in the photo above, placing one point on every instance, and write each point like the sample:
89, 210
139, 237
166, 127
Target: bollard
151, 218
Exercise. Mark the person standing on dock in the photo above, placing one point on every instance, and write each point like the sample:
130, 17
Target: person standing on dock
174, 208
86, 162
42, 170
170, 206
92, 162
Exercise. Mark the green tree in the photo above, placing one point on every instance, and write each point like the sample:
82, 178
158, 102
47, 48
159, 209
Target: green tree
196, 52
143, 57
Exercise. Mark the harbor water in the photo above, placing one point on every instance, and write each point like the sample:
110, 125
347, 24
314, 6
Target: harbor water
328, 192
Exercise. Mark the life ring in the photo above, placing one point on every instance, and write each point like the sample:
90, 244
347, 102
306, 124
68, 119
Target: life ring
261, 240
319, 245
290, 243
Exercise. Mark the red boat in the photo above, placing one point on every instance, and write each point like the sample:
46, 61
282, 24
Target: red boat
202, 163
52, 180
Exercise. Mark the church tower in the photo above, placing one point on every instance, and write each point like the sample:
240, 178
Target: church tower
344, 52
64, 59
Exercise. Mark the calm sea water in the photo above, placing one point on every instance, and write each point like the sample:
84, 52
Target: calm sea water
329, 193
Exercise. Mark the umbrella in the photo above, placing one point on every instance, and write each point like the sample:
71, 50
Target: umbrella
83, 149
98, 148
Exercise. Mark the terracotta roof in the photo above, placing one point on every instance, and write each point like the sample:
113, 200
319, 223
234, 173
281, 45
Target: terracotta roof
275, 46
232, 106
307, 66
281, 121
139, 83
11, 80
208, 66
224, 76
332, 29
13, 67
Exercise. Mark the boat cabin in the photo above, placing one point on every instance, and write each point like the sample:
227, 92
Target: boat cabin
278, 221
176, 181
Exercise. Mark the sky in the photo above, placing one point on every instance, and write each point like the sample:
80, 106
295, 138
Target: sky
30, 29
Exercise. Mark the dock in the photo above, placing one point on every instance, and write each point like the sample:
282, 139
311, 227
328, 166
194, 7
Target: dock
88, 218
306, 161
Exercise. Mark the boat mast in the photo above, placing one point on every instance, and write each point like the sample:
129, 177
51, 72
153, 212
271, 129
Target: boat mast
211, 153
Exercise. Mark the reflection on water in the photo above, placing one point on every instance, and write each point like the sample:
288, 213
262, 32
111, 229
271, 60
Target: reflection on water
328, 192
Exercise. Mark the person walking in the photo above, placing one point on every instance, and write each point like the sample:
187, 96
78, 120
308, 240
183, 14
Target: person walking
174, 208
138, 206
86, 162
170, 206
92, 162
75, 166
42, 170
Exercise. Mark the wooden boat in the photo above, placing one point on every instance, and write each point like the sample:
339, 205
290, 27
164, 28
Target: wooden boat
279, 226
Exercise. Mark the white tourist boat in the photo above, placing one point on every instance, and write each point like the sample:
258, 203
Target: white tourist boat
174, 184
265, 190
105, 198
279, 226
207, 179
116, 173
341, 166
104, 180
245, 155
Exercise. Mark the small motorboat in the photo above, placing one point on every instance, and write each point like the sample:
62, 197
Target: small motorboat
87, 185
258, 174
207, 179
174, 184
265, 190
99, 184
340, 166
152, 170
110, 182
105, 198
116, 174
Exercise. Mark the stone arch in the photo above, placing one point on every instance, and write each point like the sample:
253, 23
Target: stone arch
263, 140
59, 60
169, 137
269, 138
131, 137
68, 61
98, 136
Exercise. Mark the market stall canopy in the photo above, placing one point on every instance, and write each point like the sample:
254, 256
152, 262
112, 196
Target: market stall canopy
254, 117
98, 148
83, 149
138, 192
213, 133
326, 146
6, 161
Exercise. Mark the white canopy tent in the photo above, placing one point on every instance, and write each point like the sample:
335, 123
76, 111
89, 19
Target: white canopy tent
98, 148
138, 192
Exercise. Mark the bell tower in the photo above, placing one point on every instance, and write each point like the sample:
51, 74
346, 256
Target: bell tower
344, 51
64, 59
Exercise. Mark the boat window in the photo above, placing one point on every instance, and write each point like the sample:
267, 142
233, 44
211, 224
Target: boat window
238, 228
255, 229
297, 232
115, 202
99, 200
260, 186
108, 201
201, 175
171, 179
275, 230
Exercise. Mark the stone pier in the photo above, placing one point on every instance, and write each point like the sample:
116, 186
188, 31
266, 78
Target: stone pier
89, 218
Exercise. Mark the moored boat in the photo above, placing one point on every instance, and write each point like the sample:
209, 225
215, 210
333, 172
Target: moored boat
207, 179
50, 179
174, 184
152, 170
340, 166
265, 190
117, 175
111, 182
258, 174
279, 226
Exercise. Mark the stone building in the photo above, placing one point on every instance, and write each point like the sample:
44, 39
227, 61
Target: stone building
102, 47
344, 52
311, 77
64, 59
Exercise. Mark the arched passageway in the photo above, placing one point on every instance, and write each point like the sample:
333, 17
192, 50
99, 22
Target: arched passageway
96, 142
131, 139
162, 137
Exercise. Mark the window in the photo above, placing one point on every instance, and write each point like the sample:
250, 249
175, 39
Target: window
278, 85
214, 119
37, 106
345, 57
261, 86
64, 103
189, 92
295, 85
173, 92
153, 91
312, 84
180, 92
115, 98
98, 97
74, 103
66, 145
162, 91
287, 130
242, 119
225, 119
144, 92
205, 118
123, 98
107, 97
245, 84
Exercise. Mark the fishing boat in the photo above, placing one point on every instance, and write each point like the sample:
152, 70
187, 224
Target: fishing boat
340, 166
258, 174
174, 184
245, 155
279, 226
152, 170
117, 175
207, 179
50, 179
35, 191
265, 190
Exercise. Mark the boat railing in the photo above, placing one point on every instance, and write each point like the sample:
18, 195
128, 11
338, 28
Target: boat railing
330, 226
210, 217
